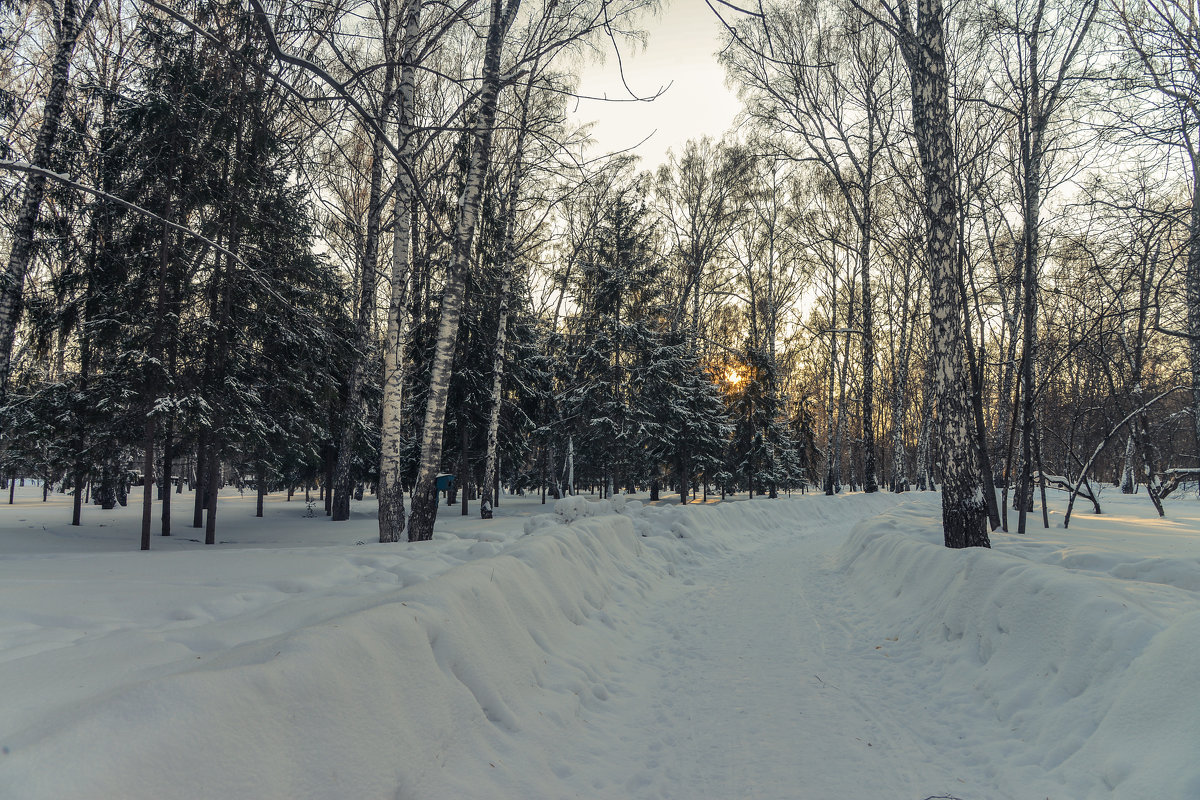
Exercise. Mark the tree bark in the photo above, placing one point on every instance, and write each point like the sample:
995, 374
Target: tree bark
464, 464
424, 501
493, 429
167, 458
487, 495
12, 281
260, 487
870, 483
1192, 289
391, 493
201, 481
368, 271
155, 361
923, 46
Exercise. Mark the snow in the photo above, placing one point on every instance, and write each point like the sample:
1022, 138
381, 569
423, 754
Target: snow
811, 647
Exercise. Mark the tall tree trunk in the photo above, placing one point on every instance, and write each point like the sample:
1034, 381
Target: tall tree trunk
830, 424
683, 479
923, 46
1029, 326
12, 281
224, 341
924, 439
81, 433
570, 489
154, 361
199, 501
368, 270
1192, 288
899, 481
464, 464
870, 483
495, 400
424, 501
260, 486
487, 495
391, 493
843, 410
167, 459
214, 488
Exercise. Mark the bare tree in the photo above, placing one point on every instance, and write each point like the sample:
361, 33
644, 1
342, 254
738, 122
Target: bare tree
69, 24
823, 84
921, 37
1164, 35
391, 492
424, 502
1040, 46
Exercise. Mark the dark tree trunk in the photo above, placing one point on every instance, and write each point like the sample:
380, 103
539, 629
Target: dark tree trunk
168, 457
213, 487
870, 482
260, 480
200, 500
147, 480
1192, 289
155, 353
464, 466
327, 484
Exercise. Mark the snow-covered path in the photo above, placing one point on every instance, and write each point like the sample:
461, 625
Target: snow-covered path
817, 648
756, 682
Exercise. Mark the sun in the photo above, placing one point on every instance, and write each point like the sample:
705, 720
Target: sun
732, 376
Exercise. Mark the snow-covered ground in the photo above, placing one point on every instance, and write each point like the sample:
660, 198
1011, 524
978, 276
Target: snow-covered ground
800, 648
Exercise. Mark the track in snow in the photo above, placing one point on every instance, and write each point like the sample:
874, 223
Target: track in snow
763, 681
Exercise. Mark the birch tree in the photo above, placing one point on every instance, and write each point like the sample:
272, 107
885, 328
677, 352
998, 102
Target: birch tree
424, 501
1164, 37
69, 24
921, 35
1041, 47
391, 492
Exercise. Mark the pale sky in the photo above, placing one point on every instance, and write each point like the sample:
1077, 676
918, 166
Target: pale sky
680, 52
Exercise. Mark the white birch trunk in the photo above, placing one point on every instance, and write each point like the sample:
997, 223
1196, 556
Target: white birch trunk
424, 501
1128, 478
391, 492
964, 515
493, 429
12, 281
924, 447
571, 464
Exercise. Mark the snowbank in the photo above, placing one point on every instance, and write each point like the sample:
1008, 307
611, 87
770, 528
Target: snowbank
1063, 662
1086, 649
378, 671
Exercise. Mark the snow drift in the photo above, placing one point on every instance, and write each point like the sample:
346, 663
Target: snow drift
1063, 663
413, 692
1088, 654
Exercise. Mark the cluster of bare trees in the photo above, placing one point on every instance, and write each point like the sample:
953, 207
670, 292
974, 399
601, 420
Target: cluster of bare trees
986, 164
